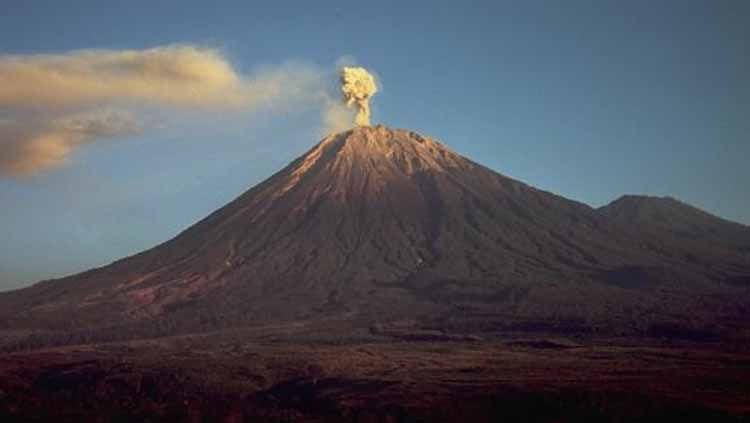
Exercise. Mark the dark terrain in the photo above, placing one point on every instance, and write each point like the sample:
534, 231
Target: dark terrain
383, 277
228, 378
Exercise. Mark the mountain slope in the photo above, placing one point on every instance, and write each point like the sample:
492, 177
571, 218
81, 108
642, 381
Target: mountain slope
681, 220
376, 226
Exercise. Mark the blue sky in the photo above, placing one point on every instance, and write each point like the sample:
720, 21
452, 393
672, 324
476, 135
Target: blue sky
588, 99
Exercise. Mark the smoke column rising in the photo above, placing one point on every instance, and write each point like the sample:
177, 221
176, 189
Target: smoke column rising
358, 86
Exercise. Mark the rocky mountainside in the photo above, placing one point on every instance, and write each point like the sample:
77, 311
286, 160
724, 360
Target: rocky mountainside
670, 216
386, 229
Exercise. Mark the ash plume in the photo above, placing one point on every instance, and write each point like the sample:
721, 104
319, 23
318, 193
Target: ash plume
357, 86
43, 143
51, 105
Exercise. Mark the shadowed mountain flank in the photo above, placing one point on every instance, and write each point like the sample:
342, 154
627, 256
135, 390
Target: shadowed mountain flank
683, 221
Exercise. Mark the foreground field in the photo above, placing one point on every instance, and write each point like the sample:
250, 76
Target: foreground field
230, 377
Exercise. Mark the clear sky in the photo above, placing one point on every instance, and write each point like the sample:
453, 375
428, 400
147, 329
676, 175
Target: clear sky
587, 99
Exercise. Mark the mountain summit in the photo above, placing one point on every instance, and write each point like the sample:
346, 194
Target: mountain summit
380, 226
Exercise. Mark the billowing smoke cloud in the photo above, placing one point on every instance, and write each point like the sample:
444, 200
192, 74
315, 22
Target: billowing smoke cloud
50, 105
358, 86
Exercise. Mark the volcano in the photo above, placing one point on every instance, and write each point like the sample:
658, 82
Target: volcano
385, 229
383, 277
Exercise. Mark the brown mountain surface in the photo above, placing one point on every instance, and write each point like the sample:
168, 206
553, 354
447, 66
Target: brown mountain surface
397, 235
671, 216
